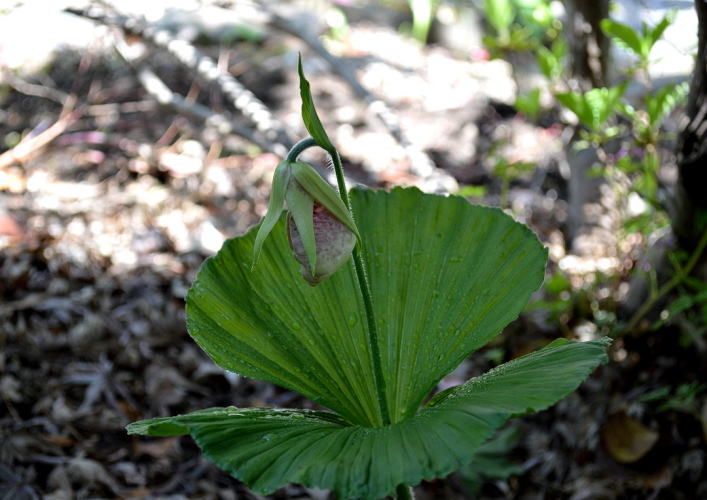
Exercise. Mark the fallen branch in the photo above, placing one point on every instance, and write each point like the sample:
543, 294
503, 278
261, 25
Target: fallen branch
33, 144
27, 88
241, 98
164, 96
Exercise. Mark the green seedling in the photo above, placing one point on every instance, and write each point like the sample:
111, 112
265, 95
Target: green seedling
594, 108
640, 43
430, 280
658, 105
551, 61
529, 104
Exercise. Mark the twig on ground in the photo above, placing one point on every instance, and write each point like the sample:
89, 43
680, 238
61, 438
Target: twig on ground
162, 93
32, 144
241, 98
120, 107
27, 88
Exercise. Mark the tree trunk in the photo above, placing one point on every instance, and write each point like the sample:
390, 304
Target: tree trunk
588, 46
689, 210
688, 204
588, 58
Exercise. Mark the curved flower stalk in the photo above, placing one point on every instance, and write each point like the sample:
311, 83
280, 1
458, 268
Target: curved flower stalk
321, 230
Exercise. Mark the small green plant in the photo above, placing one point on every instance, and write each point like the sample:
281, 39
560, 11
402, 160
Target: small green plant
508, 172
491, 460
422, 15
430, 280
683, 398
646, 122
627, 138
640, 43
529, 104
518, 25
551, 61
594, 109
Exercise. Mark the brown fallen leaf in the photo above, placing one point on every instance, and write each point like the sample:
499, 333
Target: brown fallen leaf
626, 439
157, 448
10, 231
61, 441
658, 479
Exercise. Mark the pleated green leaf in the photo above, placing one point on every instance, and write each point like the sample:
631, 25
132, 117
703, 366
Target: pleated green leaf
446, 277
269, 448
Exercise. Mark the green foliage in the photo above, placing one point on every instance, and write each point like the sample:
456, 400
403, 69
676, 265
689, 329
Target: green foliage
552, 61
491, 460
658, 105
472, 191
508, 172
518, 25
682, 398
440, 279
267, 448
310, 116
422, 16
430, 295
688, 308
529, 104
594, 107
558, 299
640, 43
338, 23
500, 15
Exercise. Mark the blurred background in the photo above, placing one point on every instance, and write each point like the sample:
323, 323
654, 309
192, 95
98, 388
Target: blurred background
136, 136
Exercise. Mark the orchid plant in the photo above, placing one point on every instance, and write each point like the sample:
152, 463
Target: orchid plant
399, 287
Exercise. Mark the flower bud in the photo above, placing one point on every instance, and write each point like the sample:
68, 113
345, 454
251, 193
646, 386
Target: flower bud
334, 244
321, 230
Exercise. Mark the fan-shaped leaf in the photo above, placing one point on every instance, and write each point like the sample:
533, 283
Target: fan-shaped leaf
445, 277
269, 448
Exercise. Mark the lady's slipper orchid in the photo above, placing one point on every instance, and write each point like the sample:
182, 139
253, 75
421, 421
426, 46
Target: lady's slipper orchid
321, 231
334, 244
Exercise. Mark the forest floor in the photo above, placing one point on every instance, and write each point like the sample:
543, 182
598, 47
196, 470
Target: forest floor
103, 229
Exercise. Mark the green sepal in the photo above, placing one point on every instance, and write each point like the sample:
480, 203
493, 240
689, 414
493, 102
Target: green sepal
301, 206
280, 180
322, 192
309, 114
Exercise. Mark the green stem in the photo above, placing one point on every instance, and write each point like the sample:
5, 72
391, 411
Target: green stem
298, 148
359, 266
667, 287
404, 492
